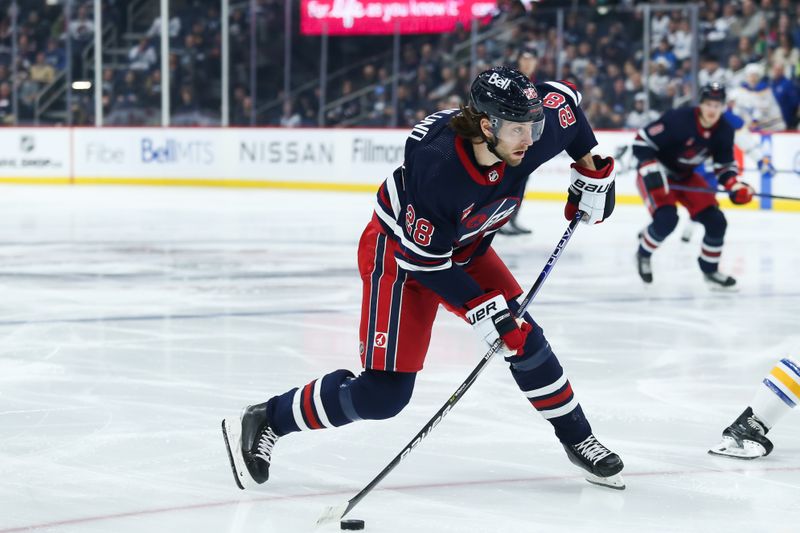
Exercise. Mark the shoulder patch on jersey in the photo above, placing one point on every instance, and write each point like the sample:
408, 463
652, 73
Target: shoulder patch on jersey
655, 129
568, 89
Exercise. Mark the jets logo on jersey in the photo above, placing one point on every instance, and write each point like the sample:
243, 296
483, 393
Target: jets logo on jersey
499, 81
530, 93
655, 129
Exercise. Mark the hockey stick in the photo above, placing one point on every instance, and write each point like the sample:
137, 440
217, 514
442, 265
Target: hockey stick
718, 191
334, 513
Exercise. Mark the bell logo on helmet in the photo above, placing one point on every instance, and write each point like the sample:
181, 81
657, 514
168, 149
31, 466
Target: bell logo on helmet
498, 81
530, 93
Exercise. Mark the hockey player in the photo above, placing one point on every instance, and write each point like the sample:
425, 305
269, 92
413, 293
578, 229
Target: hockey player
668, 151
429, 243
746, 437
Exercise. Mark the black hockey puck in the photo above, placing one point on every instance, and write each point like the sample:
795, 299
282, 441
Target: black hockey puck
352, 524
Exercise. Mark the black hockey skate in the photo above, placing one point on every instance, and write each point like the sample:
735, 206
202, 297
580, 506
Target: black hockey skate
603, 466
744, 439
720, 282
249, 440
645, 270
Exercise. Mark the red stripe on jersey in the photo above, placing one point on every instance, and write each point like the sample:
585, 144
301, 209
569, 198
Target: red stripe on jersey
558, 398
312, 420
382, 194
385, 287
710, 254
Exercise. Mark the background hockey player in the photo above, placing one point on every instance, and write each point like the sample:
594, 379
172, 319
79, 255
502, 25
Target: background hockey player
778, 394
668, 151
429, 243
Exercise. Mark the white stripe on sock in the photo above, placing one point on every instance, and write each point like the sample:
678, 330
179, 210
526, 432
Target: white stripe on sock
547, 389
561, 411
323, 416
298, 414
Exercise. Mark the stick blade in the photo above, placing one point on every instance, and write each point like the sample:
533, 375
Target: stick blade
332, 513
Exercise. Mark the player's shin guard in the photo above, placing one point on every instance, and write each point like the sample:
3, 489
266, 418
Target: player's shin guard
713, 220
543, 381
549, 391
665, 219
779, 393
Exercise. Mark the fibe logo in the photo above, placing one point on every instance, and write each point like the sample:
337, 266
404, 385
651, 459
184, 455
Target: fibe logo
174, 151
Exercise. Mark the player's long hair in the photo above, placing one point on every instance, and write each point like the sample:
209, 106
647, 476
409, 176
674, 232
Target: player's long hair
467, 124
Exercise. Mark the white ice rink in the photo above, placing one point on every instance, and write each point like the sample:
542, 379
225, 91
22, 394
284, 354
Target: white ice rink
132, 320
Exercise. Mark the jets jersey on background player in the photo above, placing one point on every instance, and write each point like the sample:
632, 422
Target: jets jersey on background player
444, 208
680, 143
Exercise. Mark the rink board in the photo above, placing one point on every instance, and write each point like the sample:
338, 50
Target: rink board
315, 159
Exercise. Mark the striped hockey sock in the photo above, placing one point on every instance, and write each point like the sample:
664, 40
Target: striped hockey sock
780, 392
710, 252
313, 406
549, 391
649, 242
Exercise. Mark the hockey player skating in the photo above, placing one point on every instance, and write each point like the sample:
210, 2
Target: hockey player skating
668, 150
429, 243
779, 392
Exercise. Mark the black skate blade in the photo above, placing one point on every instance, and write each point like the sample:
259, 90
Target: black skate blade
230, 457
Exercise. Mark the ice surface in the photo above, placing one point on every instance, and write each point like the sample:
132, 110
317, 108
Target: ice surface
132, 320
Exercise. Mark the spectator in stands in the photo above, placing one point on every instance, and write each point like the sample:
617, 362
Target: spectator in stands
787, 54
715, 30
446, 87
751, 21
711, 72
290, 118
786, 94
754, 102
6, 105
665, 55
108, 89
746, 51
187, 103
42, 72
152, 90
142, 57
81, 28
639, 117
527, 63
736, 72
54, 55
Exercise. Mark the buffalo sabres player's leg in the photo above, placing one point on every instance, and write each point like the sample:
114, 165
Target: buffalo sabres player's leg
713, 220
778, 393
665, 219
541, 378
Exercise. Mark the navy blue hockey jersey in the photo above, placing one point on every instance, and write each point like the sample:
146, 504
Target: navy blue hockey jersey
444, 209
680, 144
